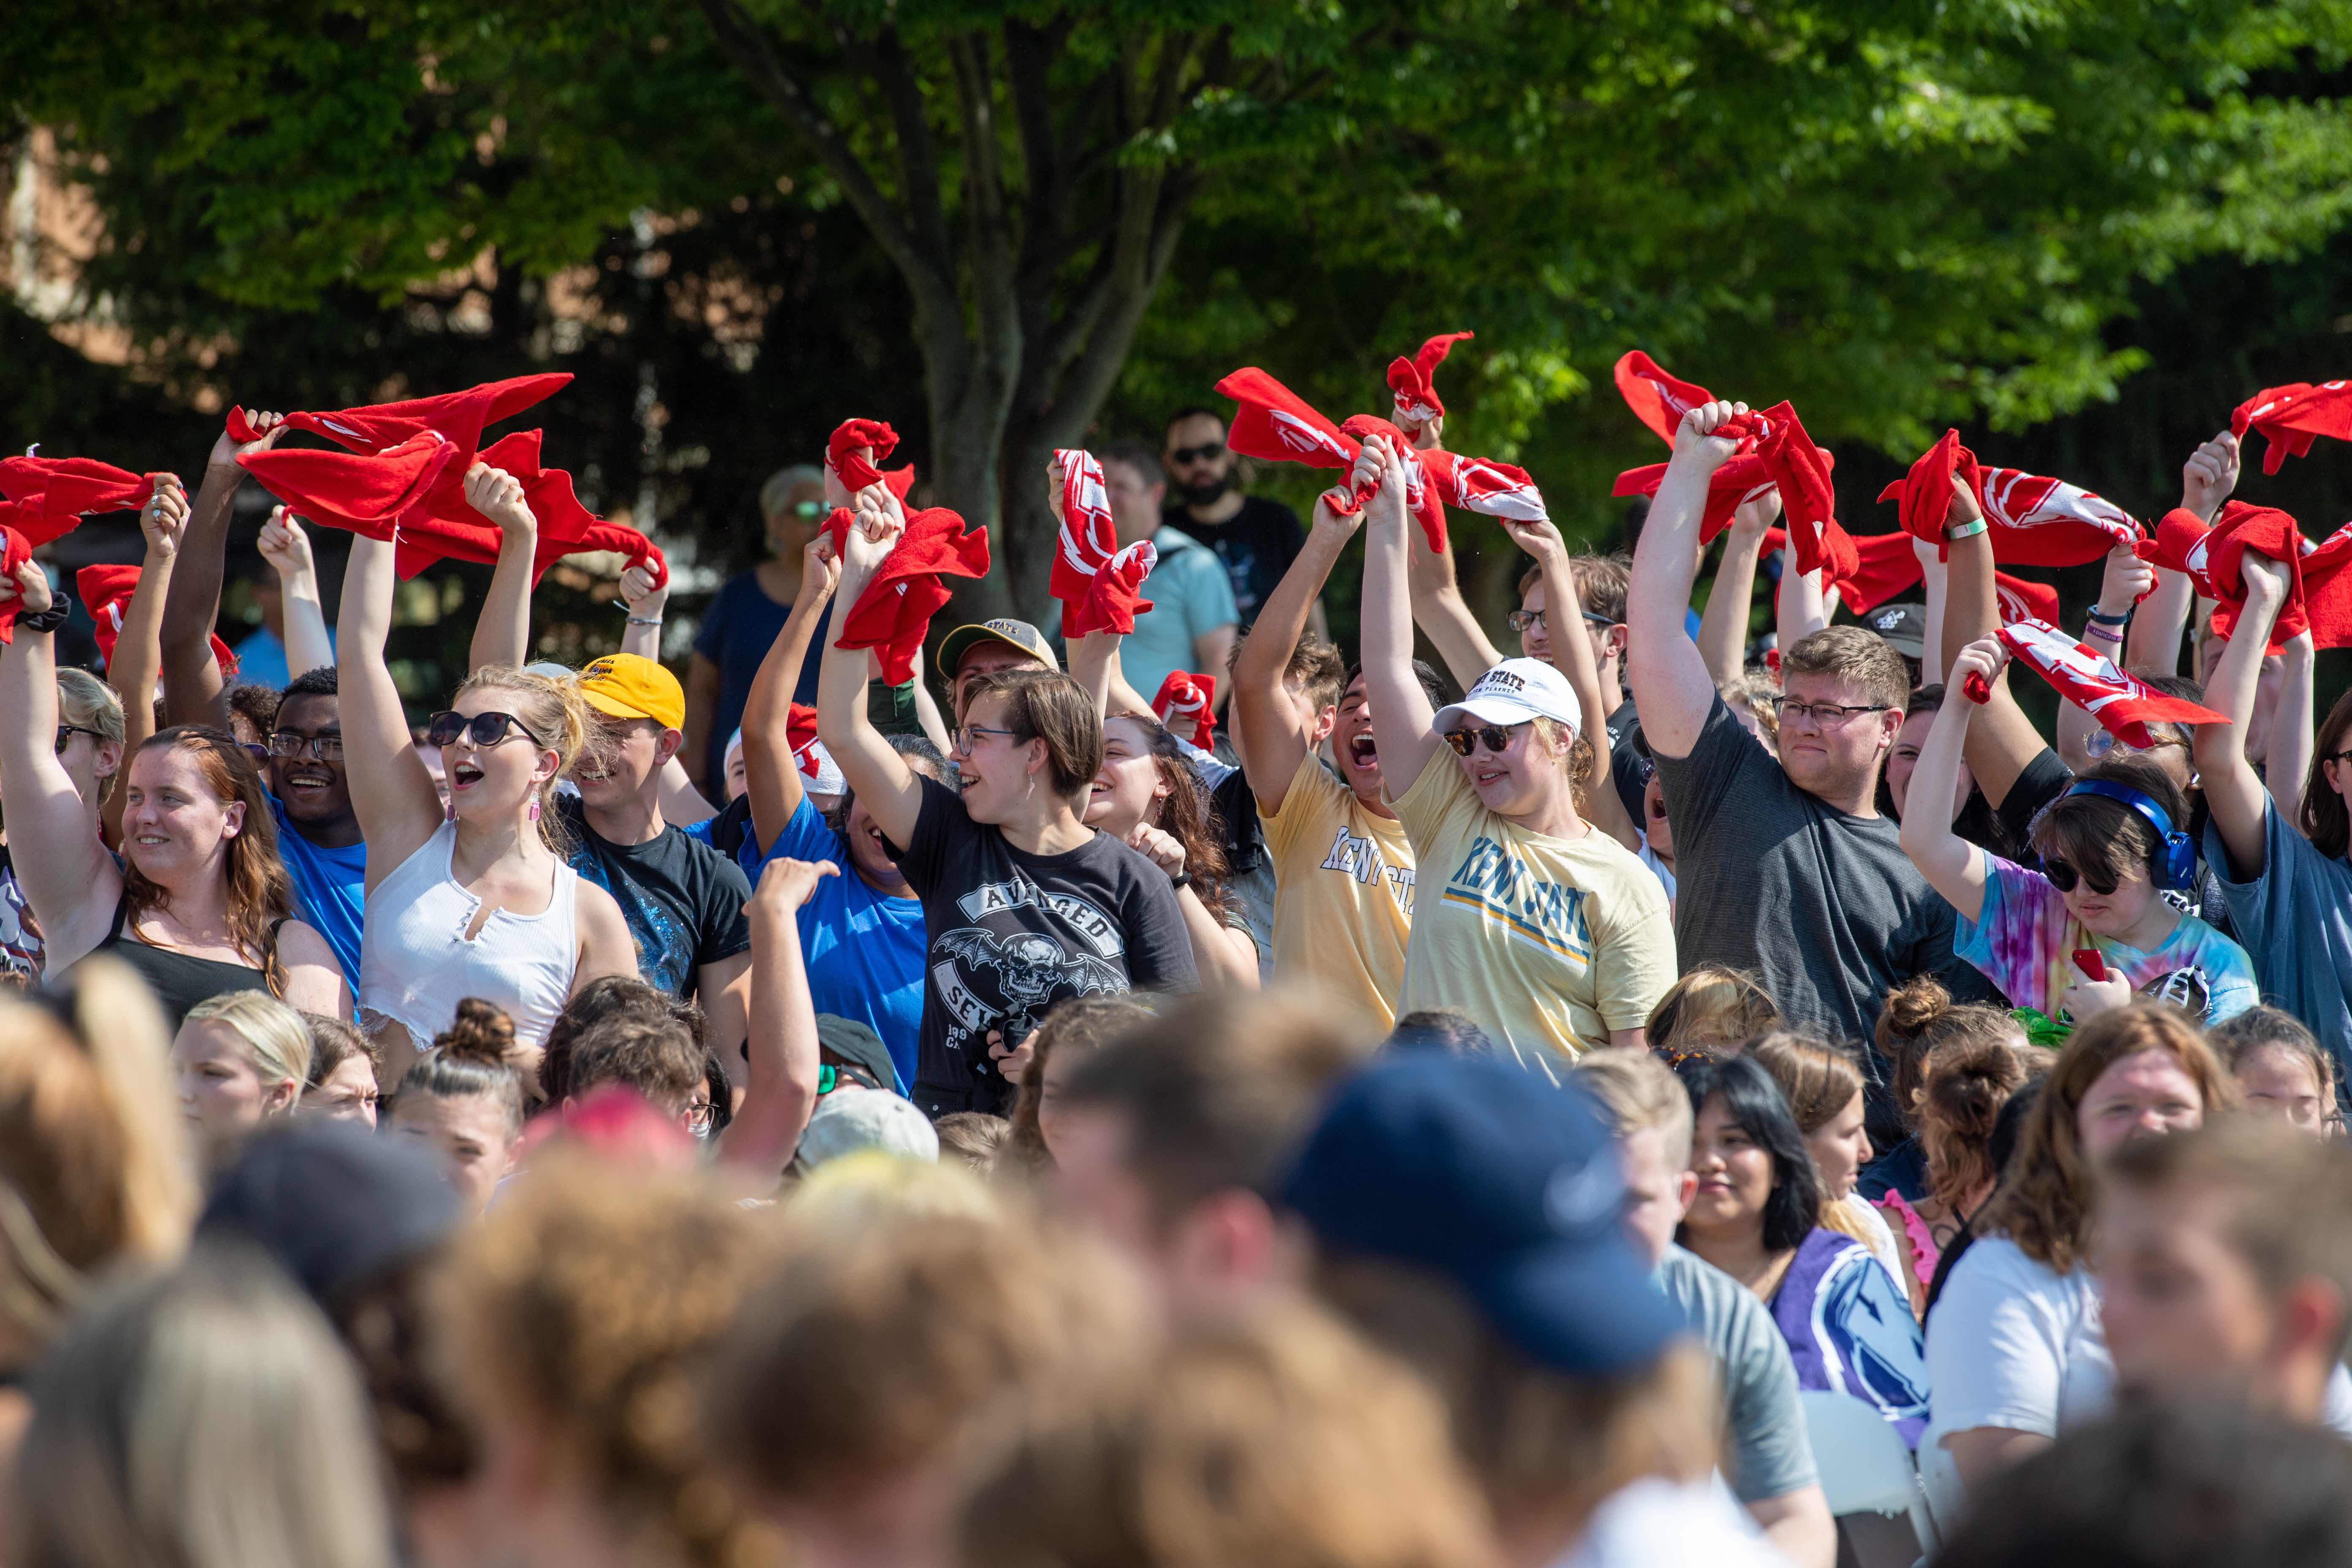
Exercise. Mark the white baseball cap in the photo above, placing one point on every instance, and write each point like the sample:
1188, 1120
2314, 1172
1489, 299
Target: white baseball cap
1515, 691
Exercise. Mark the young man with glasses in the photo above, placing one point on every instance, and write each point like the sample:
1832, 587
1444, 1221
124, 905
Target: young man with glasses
1257, 538
743, 622
1784, 867
318, 832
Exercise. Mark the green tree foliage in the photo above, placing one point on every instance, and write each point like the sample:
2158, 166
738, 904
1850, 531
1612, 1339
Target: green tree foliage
1898, 214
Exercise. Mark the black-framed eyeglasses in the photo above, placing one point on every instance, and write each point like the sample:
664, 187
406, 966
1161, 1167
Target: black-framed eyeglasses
698, 1116
2065, 877
484, 730
1494, 737
326, 748
963, 737
1520, 620
65, 732
1179, 456
1825, 714
2336, 756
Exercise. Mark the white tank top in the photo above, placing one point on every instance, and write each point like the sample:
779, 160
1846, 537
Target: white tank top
416, 963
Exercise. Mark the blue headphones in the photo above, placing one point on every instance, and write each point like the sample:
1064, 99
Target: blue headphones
2177, 866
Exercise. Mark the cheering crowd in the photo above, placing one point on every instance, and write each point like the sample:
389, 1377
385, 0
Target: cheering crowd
1159, 1092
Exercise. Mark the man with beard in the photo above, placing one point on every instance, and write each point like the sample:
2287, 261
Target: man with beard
1343, 869
317, 832
1255, 538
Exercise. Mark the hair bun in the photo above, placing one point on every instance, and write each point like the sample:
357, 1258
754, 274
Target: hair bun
481, 1033
1912, 1006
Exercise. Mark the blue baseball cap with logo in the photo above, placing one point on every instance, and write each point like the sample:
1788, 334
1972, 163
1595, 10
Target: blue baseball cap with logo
1501, 1182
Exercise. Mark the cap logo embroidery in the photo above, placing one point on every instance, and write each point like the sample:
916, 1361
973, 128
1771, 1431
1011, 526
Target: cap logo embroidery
1501, 681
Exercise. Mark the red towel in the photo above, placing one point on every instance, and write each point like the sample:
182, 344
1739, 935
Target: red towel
1741, 479
1889, 565
105, 592
2123, 706
2291, 416
1842, 564
1099, 583
18, 551
895, 610
1925, 494
1483, 485
1657, 399
1416, 394
1421, 493
51, 494
820, 774
1276, 424
854, 449
459, 415
1800, 471
2040, 521
565, 526
370, 494
1183, 706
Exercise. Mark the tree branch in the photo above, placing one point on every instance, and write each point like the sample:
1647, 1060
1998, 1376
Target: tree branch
995, 299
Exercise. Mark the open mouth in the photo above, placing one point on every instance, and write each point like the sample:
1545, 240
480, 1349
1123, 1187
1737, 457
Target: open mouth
150, 840
874, 836
1363, 751
307, 782
1486, 778
465, 775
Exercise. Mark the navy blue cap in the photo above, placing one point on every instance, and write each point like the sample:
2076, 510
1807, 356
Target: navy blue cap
1502, 1182
333, 1203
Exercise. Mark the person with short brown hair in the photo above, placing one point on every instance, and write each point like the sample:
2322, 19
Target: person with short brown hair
1023, 904
1783, 865
2224, 1258
879, 1346
1321, 1453
1171, 1135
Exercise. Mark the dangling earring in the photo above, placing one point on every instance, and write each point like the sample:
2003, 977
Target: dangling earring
534, 808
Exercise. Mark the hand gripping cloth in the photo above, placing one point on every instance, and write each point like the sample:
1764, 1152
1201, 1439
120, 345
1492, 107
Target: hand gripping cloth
1416, 394
1183, 707
895, 610
1099, 583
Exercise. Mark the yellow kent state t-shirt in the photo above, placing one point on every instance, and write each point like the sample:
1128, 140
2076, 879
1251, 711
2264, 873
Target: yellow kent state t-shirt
1546, 943
1342, 891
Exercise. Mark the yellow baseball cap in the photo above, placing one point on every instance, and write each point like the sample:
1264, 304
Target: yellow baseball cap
628, 686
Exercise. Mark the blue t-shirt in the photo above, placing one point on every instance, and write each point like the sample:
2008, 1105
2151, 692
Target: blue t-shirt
863, 949
1190, 596
330, 889
2295, 914
738, 629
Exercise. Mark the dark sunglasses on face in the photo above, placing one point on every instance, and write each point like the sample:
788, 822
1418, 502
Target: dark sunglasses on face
65, 732
485, 730
1494, 737
1179, 456
2064, 878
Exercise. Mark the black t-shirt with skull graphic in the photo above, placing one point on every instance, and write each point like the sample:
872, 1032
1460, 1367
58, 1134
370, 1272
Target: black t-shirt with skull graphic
1010, 934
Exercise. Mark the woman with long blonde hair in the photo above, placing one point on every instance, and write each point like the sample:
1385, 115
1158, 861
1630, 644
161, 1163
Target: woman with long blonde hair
475, 899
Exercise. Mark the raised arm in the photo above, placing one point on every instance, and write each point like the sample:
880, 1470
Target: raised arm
771, 777
1723, 624
502, 629
2121, 584
2206, 482
1094, 665
137, 661
1439, 609
2288, 766
68, 877
1571, 651
1953, 867
1672, 689
682, 805
1403, 723
2233, 793
392, 795
1939, 584
884, 783
2001, 738
1275, 734
192, 681
1801, 608
781, 1052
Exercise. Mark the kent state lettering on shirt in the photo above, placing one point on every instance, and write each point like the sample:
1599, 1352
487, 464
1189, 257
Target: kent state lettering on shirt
1547, 915
1360, 858
1031, 969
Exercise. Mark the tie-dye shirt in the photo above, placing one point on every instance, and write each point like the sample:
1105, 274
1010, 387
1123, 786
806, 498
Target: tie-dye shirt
2024, 941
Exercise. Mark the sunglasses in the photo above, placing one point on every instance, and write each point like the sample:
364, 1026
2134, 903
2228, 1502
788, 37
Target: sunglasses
1494, 737
2065, 877
1179, 456
65, 732
484, 730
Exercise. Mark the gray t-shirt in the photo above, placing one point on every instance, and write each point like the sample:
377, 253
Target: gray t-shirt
1771, 1454
1825, 907
2293, 913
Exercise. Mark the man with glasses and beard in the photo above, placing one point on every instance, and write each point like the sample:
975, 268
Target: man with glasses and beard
317, 832
1257, 538
741, 624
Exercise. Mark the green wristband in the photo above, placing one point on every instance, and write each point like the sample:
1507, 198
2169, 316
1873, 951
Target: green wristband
1967, 529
